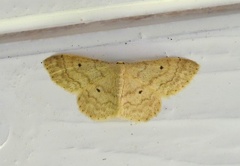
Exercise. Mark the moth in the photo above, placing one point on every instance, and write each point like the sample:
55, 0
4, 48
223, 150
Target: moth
131, 91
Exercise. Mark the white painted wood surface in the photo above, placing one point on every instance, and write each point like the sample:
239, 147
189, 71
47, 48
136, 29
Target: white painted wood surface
17, 16
40, 123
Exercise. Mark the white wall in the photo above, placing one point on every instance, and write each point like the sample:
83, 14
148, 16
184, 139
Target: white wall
40, 123
17, 16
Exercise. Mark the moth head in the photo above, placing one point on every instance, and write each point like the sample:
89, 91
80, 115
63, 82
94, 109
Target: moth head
120, 62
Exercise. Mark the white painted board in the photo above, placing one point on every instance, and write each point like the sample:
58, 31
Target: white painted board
40, 123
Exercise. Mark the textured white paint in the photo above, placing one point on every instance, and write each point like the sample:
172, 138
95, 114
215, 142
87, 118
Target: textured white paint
16, 8
40, 123
38, 15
